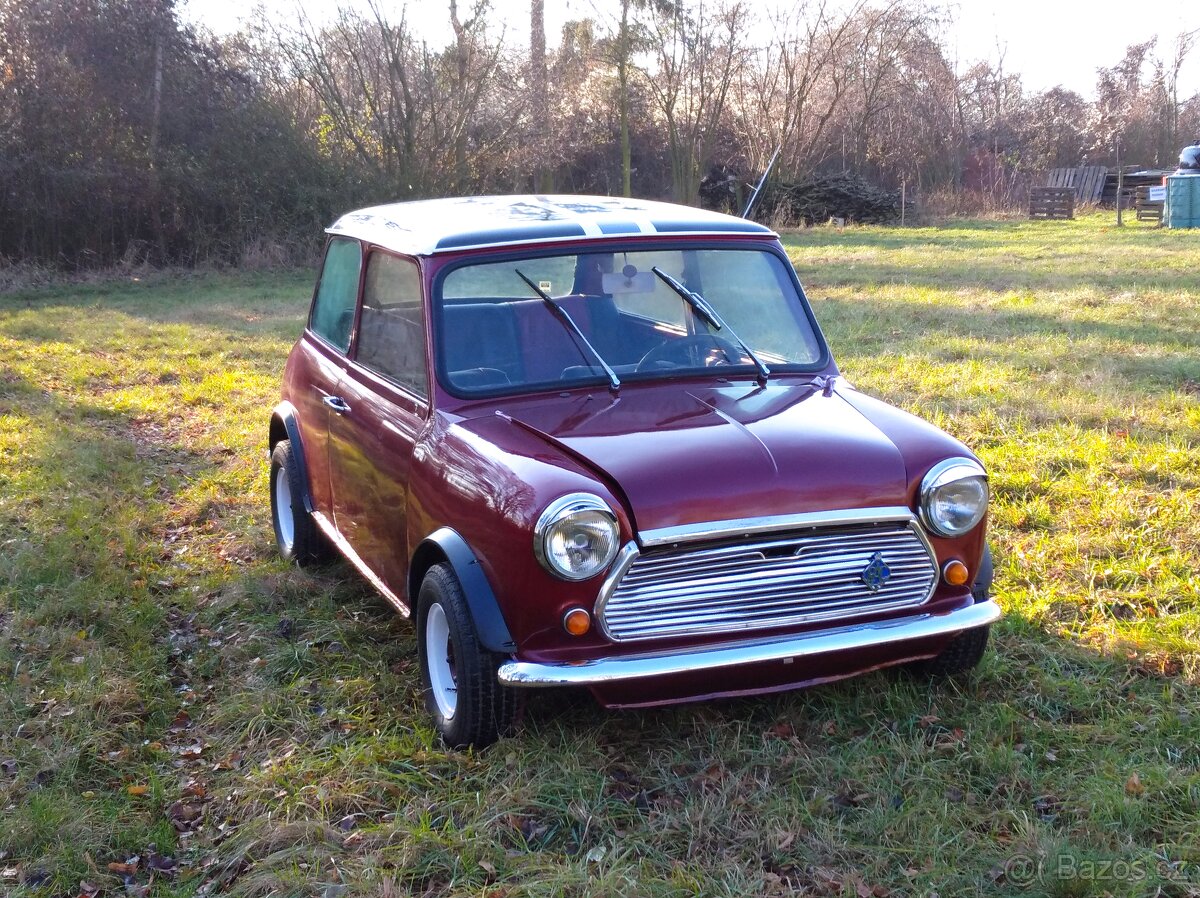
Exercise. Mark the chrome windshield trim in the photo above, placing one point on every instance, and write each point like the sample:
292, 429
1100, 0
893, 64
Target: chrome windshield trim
686, 533
732, 654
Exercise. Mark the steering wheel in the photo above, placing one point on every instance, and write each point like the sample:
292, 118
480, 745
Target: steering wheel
676, 350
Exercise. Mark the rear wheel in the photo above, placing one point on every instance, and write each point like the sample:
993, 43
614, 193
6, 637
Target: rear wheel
296, 533
964, 651
458, 675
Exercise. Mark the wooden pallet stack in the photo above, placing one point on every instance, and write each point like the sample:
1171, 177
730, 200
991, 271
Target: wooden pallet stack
1087, 181
1148, 209
1052, 203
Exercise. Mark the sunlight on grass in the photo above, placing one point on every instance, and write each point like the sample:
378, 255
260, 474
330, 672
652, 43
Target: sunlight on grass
166, 682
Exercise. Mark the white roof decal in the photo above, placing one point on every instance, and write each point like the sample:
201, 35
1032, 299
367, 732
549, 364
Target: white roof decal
425, 227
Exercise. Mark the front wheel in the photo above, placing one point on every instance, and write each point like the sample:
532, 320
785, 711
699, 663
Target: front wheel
964, 651
458, 675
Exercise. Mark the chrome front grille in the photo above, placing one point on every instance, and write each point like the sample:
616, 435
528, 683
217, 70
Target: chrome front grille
767, 580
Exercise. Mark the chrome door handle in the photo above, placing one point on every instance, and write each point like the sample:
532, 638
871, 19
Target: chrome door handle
337, 403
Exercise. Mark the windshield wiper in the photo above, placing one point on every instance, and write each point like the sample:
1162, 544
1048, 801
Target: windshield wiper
570, 325
702, 308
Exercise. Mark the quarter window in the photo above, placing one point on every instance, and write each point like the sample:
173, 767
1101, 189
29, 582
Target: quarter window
333, 309
391, 332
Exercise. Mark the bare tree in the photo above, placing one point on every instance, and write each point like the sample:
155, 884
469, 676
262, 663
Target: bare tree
698, 56
1166, 89
543, 172
793, 89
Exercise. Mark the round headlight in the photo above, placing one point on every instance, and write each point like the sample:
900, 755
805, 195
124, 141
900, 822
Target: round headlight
954, 496
576, 537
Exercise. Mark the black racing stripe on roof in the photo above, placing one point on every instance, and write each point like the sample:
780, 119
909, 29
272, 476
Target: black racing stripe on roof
511, 235
619, 227
667, 227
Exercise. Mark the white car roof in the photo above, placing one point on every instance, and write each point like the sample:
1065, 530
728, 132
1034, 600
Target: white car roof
425, 227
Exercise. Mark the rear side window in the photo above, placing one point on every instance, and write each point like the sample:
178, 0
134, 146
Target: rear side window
333, 309
391, 332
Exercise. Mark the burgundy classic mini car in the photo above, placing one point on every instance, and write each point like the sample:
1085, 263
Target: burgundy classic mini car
601, 442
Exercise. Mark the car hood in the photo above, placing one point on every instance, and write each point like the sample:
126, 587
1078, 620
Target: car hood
686, 455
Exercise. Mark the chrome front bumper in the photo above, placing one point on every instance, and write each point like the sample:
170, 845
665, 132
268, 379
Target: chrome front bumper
751, 651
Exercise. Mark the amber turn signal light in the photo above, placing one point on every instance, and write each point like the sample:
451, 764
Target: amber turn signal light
955, 573
577, 622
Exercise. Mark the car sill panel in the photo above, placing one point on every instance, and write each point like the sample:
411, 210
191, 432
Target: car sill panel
732, 654
334, 537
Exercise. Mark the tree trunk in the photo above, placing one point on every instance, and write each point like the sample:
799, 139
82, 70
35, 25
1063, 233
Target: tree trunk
543, 173
623, 101
156, 222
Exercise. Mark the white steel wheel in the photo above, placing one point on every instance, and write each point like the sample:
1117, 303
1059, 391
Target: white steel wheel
296, 534
443, 686
285, 520
468, 705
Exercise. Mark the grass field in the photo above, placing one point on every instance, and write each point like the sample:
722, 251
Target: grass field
181, 713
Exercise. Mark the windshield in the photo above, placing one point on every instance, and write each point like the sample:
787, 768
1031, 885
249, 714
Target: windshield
496, 332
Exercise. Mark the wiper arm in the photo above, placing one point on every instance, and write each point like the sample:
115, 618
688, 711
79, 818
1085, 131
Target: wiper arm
569, 323
702, 308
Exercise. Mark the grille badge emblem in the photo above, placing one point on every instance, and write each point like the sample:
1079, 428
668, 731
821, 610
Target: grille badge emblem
876, 573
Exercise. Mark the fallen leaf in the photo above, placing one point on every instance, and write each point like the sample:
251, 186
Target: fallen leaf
927, 720
489, 869
783, 730
183, 814
137, 790
122, 869
182, 721
36, 877
785, 841
1133, 785
861, 889
161, 863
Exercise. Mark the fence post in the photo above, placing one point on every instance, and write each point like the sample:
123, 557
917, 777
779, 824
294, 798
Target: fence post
1120, 184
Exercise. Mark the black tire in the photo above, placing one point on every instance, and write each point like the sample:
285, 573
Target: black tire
306, 544
965, 651
476, 710
983, 580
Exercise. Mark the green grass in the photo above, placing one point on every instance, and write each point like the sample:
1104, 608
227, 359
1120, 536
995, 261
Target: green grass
166, 682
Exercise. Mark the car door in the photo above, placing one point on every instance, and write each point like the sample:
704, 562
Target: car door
320, 359
385, 395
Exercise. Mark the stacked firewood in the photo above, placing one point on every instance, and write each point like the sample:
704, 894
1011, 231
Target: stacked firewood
820, 198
